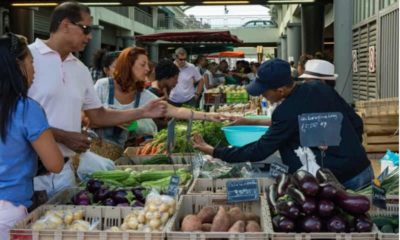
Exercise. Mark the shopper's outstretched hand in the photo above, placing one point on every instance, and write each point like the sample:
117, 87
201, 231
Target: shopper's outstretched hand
155, 109
200, 144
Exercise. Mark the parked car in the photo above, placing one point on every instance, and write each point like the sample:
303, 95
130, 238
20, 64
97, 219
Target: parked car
260, 23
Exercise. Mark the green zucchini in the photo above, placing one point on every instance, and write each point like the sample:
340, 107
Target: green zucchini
159, 159
387, 228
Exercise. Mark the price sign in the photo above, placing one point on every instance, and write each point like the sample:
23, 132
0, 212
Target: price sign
383, 174
378, 196
277, 169
320, 129
173, 187
242, 190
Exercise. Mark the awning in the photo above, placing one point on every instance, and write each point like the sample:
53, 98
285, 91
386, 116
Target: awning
230, 54
191, 37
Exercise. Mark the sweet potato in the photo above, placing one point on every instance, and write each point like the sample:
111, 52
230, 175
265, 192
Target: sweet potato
253, 226
252, 217
206, 214
237, 227
236, 214
191, 223
221, 222
206, 227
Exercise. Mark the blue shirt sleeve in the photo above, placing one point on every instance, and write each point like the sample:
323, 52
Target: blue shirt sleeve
35, 120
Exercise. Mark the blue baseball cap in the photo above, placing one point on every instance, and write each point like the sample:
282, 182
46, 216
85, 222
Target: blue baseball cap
272, 74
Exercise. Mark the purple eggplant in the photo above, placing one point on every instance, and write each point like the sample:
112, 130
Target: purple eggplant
108, 202
327, 191
119, 196
101, 194
307, 204
81, 198
138, 193
352, 203
325, 208
282, 181
272, 197
336, 224
94, 185
288, 208
283, 224
306, 183
137, 203
310, 224
363, 223
324, 175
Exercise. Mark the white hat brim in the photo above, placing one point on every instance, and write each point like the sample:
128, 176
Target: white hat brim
305, 75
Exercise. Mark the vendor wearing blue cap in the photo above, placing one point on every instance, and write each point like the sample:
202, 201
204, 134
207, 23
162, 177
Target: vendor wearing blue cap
348, 161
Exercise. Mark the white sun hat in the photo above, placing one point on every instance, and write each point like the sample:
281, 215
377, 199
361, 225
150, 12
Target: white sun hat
319, 69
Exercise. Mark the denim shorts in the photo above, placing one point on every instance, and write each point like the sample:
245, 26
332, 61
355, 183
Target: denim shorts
361, 180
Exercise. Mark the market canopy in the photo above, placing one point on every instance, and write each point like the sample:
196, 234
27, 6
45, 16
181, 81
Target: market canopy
231, 54
191, 37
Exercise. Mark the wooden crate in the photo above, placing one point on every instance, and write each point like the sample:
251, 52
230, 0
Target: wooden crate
381, 124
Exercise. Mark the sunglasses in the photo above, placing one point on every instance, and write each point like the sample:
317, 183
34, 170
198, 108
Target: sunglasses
85, 29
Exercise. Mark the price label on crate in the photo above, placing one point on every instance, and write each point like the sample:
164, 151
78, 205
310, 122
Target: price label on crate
383, 174
173, 187
242, 190
276, 169
378, 196
320, 129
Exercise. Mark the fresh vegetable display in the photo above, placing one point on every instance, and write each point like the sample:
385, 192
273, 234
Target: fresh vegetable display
63, 219
210, 219
211, 132
125, 187
304, 203
153, 217
390, 183
387, 224
217, 169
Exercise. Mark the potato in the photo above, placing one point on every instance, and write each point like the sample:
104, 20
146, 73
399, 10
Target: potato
252, 217
237, 227
221, 222
253, 226
206, 214
191, 223
236, 214
206, 227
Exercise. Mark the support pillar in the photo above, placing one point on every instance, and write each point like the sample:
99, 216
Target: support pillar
21, 22
93, 45
278, 48
154, 15
283, 47
293, 32
343, 11
154, 52
312, 27
127, 41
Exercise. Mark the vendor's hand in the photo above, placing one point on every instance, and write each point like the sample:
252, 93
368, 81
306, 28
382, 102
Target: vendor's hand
237, 120
199, 143
77, 142
215, 117
155, 109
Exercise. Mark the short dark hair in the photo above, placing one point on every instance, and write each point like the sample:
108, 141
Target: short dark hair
108, 59
166, 69
67, 10
97, 58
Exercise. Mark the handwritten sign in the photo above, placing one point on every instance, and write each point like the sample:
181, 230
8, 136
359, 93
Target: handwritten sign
378, 196
173, 187
355, 61
371, 59
242, 190
276, 169
320, 129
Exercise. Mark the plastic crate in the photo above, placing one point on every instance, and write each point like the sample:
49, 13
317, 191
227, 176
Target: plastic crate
190, 204
392, 209
218, 186
109, 217
212, 98
318, 235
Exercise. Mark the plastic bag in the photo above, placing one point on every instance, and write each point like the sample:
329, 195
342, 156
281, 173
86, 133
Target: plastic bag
215, 168
90, 163
307, 158
390, 160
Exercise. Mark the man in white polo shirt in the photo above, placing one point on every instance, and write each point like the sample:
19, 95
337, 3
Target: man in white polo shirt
184, 91
64, 87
